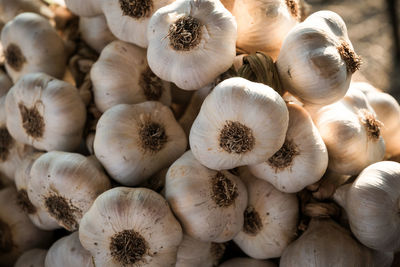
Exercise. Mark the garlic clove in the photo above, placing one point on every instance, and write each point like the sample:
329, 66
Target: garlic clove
248, 262
32, 258
249, 126
94, 31
195, 62
116, 229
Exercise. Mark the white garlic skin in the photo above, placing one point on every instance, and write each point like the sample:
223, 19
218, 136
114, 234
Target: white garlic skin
68, 252
278, 213
136, 209
189, 190
254, 105
310, 66
263, 24
309, 163
200, 65
94, 31
11, 8
120, 148
59, 105
248, 262
344, 130
117, 77
32, 258
85, 8
42, 48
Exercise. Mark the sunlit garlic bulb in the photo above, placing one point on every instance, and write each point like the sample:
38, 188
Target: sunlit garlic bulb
248, 262
32, 258
130, 227
270, 219
133, 142
239, 123
263, 24
301, 161
65, 185
30, 45
45, 112
85, 8
209, 204
122, 76
94, 31
191, 42
317, 59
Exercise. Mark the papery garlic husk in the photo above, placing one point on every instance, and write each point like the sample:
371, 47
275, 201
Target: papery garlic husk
209, 204
325, 243
263, 24
128, 19
301, 161
372, 206
328, 184
270, 219
317, 59
30, 45
85, 8
94, 31
32, 258
387, 110
122, 76
5, 83
133, 142
11, 8
156, 182
18, 234
40, 218
191, 42
248, 262
45, 112
65, 185
131, 227
68, 252
239, 123
351, 133
193, 252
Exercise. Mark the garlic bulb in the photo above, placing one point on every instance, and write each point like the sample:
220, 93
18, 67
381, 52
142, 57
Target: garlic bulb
197, 253
11, 8
240, 123
387, 111
248, 262
32, 258
372, 206
317, 59
191, 42
122, 76
18, 234
116, 229
65, 185
94, 31
209, 204
31, 44
263, 24
351, 133
270, 219
301, 161
133, 142
45, 112
86, 8
40, 218
325, 243
68, 252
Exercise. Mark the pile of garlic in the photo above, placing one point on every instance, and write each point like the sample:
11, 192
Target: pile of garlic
191, 133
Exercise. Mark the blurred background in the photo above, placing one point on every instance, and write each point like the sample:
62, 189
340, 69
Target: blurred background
373, 28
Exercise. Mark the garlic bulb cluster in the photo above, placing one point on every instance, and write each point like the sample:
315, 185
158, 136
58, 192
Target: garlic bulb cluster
317, 59
65, 186
32, 258
45, 112
11, 8
133, 142
248, 262
263, 24
239, 123
122, 76
301, 161
209, 204
30, 45
191, 42
372, 206
94, 31
130, 227
68, 252
351, 132
18, 234
270, 219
